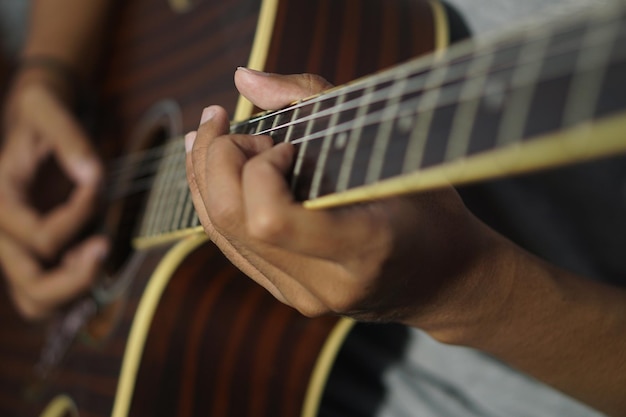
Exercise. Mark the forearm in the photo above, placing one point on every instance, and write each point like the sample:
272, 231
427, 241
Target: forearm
567, 331
70, 31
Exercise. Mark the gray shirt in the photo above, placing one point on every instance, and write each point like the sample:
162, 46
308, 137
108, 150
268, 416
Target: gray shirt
13, 20
436, 380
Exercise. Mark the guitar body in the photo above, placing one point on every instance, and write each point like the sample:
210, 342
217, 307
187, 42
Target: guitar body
183, 332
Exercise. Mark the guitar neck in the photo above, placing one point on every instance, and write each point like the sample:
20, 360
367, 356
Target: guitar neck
513, 104
535, 98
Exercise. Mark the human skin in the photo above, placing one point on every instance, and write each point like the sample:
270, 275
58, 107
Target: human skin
39, 124
422, 260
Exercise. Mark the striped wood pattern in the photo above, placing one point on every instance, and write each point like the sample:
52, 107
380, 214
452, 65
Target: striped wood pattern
217, 344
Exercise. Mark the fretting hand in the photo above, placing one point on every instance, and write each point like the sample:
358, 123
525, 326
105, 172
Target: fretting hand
422, 260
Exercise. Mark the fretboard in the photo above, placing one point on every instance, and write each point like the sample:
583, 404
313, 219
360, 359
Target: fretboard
534, 98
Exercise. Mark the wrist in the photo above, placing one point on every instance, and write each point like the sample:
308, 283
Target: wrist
51, 73
508, 289
478, 301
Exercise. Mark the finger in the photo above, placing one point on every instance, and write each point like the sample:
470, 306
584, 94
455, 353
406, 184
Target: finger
275, 217
69, 143
274, 91
52, 130
224, 244
44, 234
322, 261
217, 162
77, 158
36, 292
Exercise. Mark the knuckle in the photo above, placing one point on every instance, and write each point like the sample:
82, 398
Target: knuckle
315, 83
339, 305
29, 309
311, 309
223, 215
45, 245
97, 169
268, 227
341, 302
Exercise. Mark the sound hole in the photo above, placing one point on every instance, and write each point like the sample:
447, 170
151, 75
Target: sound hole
130, 182
131, 178
129, 199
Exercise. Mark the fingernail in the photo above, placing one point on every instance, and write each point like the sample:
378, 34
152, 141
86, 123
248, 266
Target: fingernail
207, 114
86, 171
100, 250
253, 71
190, 138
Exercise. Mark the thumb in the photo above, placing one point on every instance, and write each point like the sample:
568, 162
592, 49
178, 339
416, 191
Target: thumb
67, 139
273, 91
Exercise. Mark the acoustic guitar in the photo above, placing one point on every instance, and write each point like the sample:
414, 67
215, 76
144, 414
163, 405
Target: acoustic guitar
195, 338
171, 328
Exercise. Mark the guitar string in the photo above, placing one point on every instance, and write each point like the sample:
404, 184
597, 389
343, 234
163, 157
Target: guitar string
157, 155
419, 66
417, 69
143, 176
369, 117
372, 118
443, 87
147, 169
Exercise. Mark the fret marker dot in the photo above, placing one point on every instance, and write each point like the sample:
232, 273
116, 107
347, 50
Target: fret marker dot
405, 123
495, 94
341, 140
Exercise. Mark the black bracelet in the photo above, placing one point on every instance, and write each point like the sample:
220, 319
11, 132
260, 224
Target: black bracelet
84, 98
55, 66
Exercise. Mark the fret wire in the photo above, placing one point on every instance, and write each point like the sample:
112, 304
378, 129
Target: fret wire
259, 126
500, 42
165, 210
274, 122
383, 137
183, 190
343, 180
425, 110
378, 96
465, 116
409, 105
174, 182
156, 197
319, 167
318, 174
297, 171
589, 73
155, 151
289, 132
620, 37
148, 222
418, 68
518, 104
